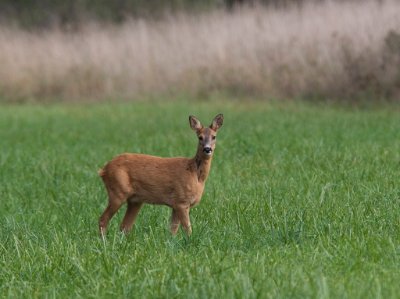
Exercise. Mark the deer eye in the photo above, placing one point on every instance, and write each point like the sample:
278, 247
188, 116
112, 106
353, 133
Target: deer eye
200, 138
213, 138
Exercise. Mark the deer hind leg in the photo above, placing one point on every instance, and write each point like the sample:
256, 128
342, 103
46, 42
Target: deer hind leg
119, 190
175, 222
114, 203
130, 216
183, 216
112, 208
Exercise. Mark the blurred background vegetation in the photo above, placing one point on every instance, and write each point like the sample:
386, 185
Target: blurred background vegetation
86, 49
45, 13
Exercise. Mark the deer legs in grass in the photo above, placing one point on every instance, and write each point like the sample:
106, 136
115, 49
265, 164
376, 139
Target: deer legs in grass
180, 215
175, 222
130, 216
111, 209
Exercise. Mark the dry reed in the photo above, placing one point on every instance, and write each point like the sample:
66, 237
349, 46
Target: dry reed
330, 50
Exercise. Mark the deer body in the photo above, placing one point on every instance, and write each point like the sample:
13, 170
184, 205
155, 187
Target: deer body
176, 182
143, 178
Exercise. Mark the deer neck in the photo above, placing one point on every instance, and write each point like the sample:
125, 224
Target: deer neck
202, 165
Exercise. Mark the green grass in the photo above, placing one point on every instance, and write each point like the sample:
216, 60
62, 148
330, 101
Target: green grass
302, 201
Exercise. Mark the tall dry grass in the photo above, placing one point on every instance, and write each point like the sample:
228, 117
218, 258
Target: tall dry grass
334, 50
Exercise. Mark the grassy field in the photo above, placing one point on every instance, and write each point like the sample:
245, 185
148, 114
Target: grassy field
302, 201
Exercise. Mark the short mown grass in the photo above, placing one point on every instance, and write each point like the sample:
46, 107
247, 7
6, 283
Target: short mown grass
302, 201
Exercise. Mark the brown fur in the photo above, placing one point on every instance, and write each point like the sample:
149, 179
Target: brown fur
176, 182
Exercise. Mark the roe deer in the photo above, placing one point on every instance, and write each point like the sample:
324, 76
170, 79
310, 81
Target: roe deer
175, 182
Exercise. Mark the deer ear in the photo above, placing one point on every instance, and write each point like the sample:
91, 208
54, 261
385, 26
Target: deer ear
195, 124
217, 122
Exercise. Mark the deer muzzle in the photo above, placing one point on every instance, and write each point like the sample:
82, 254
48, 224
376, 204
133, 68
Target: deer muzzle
207, 150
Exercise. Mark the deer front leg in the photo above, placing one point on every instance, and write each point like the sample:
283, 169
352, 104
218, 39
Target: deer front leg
175, 222
183, 216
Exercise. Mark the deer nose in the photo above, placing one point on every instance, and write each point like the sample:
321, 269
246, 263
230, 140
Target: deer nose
207, 150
